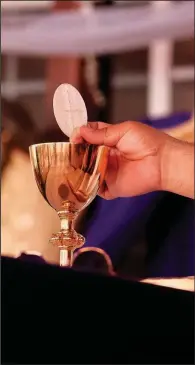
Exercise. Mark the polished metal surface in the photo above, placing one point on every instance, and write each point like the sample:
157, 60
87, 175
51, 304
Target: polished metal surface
68, 176
85, 254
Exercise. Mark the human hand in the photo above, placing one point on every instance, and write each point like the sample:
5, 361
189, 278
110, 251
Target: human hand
135, 159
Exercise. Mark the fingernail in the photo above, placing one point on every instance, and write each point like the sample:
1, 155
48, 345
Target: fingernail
75, 134
77, 130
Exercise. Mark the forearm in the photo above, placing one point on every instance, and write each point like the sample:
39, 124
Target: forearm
177, 167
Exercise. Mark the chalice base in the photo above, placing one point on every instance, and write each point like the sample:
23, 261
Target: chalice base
67, 242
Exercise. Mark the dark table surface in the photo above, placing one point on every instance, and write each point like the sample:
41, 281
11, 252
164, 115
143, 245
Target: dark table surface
54, 315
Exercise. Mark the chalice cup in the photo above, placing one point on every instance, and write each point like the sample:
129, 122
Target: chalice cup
68, 176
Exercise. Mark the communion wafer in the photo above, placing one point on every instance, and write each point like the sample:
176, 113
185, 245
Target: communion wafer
69, 108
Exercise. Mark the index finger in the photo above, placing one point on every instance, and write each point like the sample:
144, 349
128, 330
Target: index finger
108, 134
97, 125
76, 136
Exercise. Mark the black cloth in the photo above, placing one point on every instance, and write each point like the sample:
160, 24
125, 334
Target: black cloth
57, 316
32, 258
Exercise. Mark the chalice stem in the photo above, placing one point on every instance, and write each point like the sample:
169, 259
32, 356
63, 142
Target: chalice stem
66, 257
67, 239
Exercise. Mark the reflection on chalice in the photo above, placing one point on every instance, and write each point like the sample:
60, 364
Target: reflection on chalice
68, 176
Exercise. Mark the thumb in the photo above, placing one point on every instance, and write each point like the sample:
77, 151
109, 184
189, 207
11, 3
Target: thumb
109, 136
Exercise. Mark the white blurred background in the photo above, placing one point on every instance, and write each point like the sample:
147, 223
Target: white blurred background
155, 80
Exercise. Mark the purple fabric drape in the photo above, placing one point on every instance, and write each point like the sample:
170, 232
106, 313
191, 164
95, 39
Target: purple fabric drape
176, 254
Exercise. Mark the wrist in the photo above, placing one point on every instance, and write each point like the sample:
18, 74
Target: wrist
177, 167
166, 162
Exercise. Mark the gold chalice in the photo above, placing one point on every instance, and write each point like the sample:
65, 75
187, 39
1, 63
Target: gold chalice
68, 176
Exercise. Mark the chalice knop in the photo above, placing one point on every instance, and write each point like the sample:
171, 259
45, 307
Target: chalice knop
68, 176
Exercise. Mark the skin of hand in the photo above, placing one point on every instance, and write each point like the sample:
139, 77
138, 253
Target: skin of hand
141, 160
